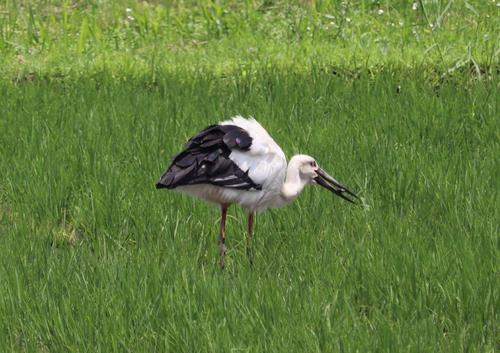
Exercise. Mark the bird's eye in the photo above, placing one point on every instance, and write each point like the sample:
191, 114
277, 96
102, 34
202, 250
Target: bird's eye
313, 164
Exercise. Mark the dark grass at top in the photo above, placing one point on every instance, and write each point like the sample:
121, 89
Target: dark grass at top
94, 258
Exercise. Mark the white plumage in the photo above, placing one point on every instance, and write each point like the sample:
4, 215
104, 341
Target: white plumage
238, 162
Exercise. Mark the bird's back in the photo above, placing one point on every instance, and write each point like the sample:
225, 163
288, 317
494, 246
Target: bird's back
235, 161
205, 160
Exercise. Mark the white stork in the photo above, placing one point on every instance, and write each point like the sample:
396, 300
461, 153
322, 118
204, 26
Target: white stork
237, 162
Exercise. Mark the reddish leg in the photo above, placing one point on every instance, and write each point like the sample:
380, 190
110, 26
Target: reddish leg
249, 237
222, 236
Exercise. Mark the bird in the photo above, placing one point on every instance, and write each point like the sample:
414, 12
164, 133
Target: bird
238, 162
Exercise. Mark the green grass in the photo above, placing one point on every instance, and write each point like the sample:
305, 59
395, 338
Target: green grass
94, 259
75, 38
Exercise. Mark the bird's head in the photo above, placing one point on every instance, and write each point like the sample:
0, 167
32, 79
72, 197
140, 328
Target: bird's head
307, 168
311, 173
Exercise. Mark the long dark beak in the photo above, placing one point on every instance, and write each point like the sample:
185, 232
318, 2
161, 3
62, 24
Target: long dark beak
329, 182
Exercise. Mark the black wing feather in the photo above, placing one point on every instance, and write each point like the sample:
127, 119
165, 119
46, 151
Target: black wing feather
206, 160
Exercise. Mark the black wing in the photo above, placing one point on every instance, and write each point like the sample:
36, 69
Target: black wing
206, 160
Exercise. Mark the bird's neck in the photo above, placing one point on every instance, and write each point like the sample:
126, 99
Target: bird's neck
293, 184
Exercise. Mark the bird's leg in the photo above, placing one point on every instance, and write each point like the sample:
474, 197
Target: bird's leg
249, 237
222, 236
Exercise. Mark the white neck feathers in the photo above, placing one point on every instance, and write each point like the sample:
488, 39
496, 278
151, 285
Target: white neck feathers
293, 184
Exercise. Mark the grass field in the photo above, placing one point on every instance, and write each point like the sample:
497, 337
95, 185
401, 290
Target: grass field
83, 38
94, 259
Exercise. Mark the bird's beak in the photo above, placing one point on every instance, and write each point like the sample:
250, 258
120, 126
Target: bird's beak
329, 182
